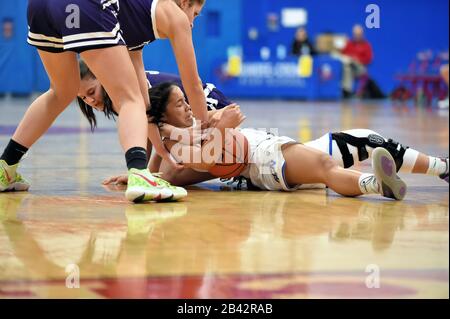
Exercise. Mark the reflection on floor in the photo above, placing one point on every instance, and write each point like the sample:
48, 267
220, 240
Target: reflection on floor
220, 242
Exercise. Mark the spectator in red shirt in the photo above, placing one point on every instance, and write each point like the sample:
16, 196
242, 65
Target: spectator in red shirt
357, 55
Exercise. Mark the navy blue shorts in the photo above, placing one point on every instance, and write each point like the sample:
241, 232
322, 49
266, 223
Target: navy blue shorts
73, 25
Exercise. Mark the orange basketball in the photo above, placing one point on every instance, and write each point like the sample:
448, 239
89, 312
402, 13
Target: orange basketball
234, 158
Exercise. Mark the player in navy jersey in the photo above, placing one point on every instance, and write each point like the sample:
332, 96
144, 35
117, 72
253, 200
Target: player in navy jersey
92, 95
95, 96
109, 35
215, 99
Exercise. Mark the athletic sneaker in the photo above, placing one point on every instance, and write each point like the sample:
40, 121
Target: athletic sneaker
10, 180
144, 187
178, 192
445, 175
391, 186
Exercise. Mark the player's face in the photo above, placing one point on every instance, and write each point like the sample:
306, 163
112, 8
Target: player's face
192, 12
91, 92
179, 113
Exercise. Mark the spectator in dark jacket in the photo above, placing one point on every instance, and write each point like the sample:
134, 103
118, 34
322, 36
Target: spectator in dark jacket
301, 44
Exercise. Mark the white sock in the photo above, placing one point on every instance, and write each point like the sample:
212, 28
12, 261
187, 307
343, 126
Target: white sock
437, 166
368, 184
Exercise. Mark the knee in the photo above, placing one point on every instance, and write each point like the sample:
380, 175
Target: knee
326, 164
64, 96
127, 100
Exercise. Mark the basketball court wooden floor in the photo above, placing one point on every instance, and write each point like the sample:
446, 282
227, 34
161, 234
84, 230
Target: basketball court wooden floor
219, 242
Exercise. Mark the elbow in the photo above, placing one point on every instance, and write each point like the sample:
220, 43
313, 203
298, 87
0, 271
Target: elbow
198, 82
196, 86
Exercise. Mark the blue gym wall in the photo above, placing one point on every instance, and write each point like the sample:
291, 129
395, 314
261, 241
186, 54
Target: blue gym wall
219, 27
17, 66
406, 27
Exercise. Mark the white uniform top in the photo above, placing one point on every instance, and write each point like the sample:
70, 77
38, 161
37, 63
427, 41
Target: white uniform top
266, 163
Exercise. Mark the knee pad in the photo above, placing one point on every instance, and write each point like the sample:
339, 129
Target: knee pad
343, 140
396, 149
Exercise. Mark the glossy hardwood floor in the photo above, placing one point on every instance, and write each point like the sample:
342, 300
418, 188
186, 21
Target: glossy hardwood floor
220, 242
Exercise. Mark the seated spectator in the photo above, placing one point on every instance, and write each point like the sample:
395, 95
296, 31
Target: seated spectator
302, 45
356, 56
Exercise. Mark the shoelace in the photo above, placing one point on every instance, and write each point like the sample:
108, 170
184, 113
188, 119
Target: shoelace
3, 179
18, 176
161, 181
370, 180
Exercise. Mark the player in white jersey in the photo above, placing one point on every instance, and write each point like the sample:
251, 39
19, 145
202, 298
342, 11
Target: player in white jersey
280, 163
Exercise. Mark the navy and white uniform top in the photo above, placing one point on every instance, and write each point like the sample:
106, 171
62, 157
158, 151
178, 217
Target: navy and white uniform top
80, 25
215, 99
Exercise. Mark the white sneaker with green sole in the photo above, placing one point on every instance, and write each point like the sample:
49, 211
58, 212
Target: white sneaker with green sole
144, 187
10, 180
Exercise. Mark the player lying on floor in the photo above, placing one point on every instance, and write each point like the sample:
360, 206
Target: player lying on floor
280, 163
346, 148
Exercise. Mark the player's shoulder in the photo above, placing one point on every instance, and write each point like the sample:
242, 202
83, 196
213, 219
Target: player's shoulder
169, 11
